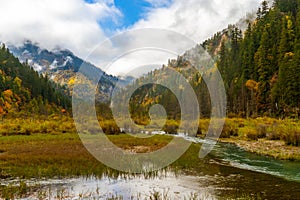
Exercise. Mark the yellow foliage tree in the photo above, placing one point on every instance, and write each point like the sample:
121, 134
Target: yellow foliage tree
252, 85
8, 94
18, 82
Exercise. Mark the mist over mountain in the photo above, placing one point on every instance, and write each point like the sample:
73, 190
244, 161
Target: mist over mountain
61, 66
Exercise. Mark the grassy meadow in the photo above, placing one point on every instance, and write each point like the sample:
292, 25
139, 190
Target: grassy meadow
51, 148
55, 140
62, 155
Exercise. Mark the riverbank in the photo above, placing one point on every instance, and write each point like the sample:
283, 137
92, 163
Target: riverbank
264, 136
276, 149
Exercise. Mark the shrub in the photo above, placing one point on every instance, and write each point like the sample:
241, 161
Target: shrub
203, 126
67, 126
229, 129
251, 134
261, 130
292, 138
171, 127
273, 134
232, 115
24, 131
241, 125
109, 127
43, 128
287, 132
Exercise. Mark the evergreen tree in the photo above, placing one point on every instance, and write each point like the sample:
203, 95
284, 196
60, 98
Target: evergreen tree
264, 61
265, 8
283, 89
296, 64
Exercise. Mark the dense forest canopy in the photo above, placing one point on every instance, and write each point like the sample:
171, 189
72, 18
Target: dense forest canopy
261, 67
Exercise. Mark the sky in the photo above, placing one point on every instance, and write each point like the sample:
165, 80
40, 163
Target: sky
83, 25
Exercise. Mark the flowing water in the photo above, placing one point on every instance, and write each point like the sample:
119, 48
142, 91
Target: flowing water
227, 173
233, 155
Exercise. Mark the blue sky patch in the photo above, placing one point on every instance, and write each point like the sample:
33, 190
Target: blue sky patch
132, 11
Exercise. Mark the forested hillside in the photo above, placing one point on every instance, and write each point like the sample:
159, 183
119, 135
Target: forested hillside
24, 92
260, 68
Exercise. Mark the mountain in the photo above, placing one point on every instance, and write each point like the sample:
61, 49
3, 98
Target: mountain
260, 68
62, 65
25, 92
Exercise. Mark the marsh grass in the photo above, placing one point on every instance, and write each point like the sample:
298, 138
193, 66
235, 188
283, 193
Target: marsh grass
12, 191
52, 149
20, 126
138, 144
63, 155
44, 155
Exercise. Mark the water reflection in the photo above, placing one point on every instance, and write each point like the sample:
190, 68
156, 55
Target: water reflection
165, 184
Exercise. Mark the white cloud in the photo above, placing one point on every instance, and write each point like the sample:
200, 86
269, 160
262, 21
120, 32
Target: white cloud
140, 48
198, 19
74, 24
71, 24
195, 19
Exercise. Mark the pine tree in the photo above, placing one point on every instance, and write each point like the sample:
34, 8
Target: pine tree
264, 61
296, 64
248, 55
258, 14
284, 89
265, 8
